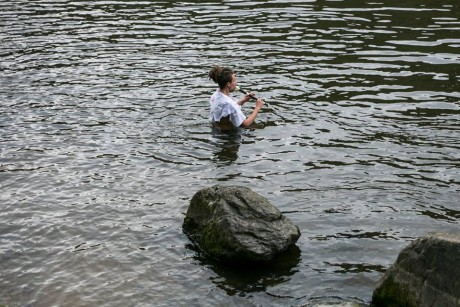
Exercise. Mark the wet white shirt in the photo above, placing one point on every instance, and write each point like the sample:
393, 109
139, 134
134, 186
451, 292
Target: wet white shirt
223, 106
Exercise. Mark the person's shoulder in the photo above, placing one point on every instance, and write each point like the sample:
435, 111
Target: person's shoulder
215, 93
219, 96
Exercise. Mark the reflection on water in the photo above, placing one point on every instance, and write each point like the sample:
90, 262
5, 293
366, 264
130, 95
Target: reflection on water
227, 143
104, 138
237, 279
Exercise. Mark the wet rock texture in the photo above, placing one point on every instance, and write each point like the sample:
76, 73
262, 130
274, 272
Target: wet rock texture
233, 223
426, 273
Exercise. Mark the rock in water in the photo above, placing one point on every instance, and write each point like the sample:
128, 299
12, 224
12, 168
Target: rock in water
232, 223
426, 273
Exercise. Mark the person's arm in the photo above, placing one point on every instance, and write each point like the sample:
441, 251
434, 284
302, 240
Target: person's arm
244, 99
252, 117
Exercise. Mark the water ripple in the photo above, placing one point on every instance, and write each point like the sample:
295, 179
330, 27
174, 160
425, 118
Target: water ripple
104, 138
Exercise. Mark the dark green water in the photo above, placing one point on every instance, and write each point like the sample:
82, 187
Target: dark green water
104, 138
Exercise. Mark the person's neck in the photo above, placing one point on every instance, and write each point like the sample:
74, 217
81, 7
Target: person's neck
225, 91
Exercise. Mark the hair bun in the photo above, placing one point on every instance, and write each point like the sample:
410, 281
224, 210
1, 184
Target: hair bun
221, 75
215, 73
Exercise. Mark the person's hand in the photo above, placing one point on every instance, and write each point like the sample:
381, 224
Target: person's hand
247, 97
259, 103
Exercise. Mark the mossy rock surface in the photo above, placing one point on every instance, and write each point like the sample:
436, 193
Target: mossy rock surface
233, 223
426, 273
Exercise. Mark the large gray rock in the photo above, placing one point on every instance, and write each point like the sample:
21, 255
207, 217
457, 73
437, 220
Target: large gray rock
426, 273
232, 223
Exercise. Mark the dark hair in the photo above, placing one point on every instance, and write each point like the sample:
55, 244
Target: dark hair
221, 75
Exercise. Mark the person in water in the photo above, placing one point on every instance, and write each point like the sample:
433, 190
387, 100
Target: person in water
225, 111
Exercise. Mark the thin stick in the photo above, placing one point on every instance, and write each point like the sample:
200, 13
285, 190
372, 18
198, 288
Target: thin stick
246, 92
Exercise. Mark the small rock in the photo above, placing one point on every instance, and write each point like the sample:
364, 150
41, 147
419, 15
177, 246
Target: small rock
232, 223
345, 304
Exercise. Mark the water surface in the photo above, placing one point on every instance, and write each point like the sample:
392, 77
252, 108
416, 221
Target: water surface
104, 139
